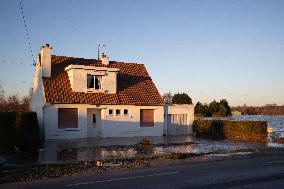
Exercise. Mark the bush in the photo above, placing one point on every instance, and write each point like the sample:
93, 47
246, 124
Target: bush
232, 130
18, 129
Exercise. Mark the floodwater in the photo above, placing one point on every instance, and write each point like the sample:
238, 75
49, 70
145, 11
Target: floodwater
64, 153
61, 151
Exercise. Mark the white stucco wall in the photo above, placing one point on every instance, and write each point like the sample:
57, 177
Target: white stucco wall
109, 82
38, 98
51, 123
46, 53
111, 126
128, 126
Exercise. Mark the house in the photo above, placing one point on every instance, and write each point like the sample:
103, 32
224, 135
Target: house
81, 98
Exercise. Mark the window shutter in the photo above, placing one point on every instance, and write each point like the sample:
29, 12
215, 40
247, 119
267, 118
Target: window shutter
146, 118
67, 118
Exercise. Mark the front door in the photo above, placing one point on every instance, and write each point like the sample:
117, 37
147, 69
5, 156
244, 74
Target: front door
94, 122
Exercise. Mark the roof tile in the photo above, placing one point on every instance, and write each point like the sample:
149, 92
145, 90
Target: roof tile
134, 85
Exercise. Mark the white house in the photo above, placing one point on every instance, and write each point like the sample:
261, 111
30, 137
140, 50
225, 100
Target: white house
81, 98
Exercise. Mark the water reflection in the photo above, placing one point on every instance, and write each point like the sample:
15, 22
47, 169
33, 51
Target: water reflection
59, 154
62, 151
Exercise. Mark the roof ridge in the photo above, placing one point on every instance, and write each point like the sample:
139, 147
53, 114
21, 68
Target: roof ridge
93, 59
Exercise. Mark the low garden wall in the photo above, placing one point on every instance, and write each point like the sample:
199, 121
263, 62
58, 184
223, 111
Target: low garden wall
18, 130
231, 130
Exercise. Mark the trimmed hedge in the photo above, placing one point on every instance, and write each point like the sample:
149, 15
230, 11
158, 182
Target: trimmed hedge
18, 129
232, 130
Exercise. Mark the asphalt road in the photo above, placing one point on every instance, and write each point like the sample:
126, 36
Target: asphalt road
261, 170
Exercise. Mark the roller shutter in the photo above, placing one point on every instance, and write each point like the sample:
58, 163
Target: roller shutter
67, 118
146, 118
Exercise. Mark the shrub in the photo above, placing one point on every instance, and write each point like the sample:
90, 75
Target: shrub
9, 133
20, 130
232, 130
29, 131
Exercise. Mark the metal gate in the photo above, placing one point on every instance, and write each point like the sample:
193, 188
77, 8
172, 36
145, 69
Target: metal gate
177, 124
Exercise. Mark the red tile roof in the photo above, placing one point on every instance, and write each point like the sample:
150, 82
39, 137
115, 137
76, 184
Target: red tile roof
134, 85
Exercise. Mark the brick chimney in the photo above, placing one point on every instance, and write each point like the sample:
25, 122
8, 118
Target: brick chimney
105, 59
45, 57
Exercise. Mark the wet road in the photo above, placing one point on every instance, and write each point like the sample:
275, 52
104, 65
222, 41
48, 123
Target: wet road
259, 170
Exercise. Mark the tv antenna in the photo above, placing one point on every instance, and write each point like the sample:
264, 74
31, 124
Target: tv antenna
99, 47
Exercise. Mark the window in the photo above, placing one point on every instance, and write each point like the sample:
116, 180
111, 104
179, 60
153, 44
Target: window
94, 119
67, 118
94, 81
90, 81
110, 112
117, 112
146, 118
125, 112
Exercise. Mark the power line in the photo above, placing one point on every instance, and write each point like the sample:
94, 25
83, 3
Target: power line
27, 32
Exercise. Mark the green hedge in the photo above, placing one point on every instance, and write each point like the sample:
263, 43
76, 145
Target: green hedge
18, 129
232, 130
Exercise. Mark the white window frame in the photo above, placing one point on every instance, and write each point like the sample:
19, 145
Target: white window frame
99, 77
127, 112
119, 112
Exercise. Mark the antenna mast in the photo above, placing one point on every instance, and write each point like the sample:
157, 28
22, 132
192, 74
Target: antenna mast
99, 46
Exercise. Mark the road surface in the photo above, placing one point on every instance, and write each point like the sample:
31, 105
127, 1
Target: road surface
260, 170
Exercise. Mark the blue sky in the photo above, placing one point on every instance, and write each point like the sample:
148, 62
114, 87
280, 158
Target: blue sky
208, 49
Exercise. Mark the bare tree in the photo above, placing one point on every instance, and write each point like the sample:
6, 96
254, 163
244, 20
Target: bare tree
1, 91
167, 97
13, 103
26, 100
2, 99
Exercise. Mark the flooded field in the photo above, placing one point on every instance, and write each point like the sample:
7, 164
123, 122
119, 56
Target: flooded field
275, 122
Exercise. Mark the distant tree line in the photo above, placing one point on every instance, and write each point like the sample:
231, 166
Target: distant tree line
268, 109
13, 103
215, 109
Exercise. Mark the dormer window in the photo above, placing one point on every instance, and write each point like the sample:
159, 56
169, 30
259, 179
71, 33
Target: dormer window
94, 81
